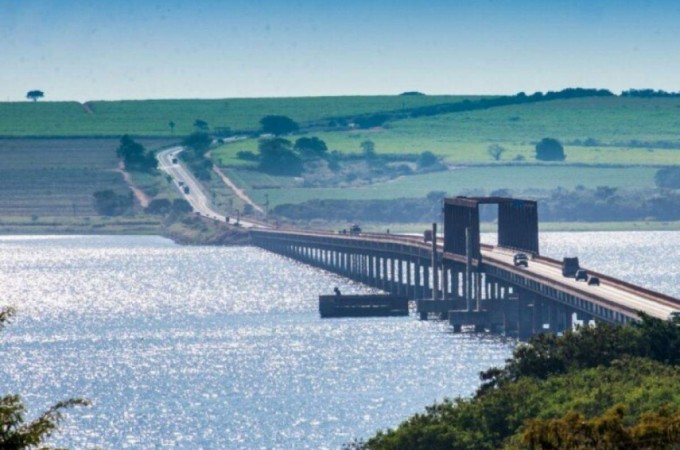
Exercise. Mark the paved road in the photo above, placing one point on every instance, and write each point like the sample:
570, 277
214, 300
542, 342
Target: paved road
196, 197
659, 307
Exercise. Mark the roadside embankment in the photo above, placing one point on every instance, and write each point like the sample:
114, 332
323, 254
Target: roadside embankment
196, 230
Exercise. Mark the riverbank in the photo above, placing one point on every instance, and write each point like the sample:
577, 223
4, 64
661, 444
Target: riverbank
200, 231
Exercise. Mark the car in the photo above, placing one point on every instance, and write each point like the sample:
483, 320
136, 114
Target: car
520, 259
355, 229
674, 315
174, 160
186, 189
581, 275
593, 281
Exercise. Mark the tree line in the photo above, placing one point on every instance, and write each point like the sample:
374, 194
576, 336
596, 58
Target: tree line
608, 386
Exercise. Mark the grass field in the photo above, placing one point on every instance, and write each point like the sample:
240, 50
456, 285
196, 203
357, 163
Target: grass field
152, 117
469, 180
615, 123
57, 177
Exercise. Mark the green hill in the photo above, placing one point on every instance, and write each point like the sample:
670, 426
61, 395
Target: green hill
152, 117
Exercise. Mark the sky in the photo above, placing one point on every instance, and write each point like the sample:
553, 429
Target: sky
141, 49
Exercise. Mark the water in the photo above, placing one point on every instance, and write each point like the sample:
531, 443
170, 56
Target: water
213, 347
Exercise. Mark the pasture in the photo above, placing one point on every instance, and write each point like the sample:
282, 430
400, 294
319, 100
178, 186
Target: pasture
524, 180
153, 117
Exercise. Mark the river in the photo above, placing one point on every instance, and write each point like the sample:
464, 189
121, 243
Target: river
223, 348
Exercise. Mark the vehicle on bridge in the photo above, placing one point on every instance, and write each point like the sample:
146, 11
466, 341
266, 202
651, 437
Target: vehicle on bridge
581, 275
355, 229
427, 236
570, 266
520, 260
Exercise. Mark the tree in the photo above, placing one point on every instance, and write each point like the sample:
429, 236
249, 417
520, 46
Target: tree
108, 203
15, 433
198, 143
135, 156
277, 157
160, 206
201, 124
426, 159
181, 206
368, 149
495, 151
35, 95
311, 147
550, 149
278, 125
668, 177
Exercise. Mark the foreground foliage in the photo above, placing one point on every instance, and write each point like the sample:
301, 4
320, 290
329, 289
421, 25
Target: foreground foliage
15, 432
604, 387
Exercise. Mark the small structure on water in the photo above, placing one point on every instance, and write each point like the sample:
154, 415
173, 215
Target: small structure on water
372, 305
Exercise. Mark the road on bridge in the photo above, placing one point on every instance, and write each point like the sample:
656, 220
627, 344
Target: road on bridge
609, 288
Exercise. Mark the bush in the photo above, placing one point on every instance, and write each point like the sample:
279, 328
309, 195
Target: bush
550, 149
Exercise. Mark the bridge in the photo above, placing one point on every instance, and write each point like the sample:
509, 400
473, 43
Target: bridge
469, 283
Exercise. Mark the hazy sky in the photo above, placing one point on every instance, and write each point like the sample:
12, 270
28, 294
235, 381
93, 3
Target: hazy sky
134, 49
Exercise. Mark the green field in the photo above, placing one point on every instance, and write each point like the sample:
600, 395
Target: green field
151, 117
57, 177
626, 131
469, 180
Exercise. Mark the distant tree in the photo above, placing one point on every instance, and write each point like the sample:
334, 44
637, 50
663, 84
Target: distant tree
246, 155
198, 143
160, 206
171, 124
311, 147
135, 156
368, 149
668, 177
278, 158
223, 132
412, 93
550, 149
371, 120
181, 206
201, 125
108, 203
15, 433
495, 151
426, 159
278, 125
35, 95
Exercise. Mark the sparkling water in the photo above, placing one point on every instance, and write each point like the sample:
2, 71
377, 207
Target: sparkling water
223, 348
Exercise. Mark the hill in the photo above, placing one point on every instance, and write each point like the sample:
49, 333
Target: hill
152, 117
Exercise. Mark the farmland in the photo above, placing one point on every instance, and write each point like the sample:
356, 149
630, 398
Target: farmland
609, 130
152, 117
470, 180
57, 177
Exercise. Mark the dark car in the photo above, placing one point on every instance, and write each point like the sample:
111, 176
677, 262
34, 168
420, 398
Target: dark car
593, 281
521, 259
569, 267
581, 275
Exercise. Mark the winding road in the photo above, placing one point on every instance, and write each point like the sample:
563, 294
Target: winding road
183, 178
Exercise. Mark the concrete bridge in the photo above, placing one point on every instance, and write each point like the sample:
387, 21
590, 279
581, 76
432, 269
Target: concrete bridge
472, 284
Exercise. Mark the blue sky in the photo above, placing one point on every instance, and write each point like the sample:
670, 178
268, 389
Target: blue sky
85, 50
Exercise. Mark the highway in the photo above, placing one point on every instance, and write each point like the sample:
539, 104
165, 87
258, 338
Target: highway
610, 289
182, 178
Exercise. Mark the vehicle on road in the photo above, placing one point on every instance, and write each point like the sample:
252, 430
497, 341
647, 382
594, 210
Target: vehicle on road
355, 229
593, 281
570, 266
520, 260
581, 275
186, 189
674, 315
174, 160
